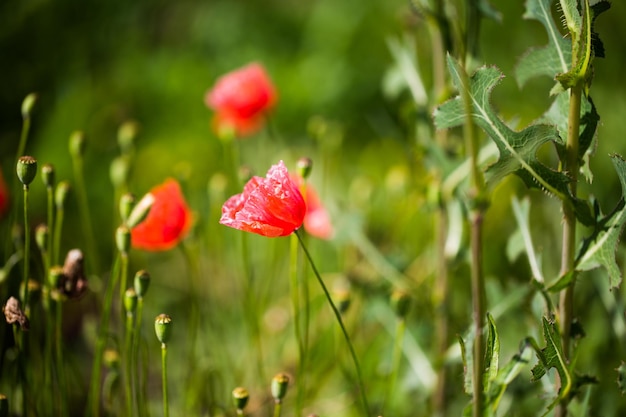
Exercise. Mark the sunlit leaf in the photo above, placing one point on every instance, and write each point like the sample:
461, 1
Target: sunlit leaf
517, 149
507, 374
551, 59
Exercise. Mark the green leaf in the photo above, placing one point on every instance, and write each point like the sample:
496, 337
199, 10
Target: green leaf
599, 248
492, 354
468, 365
582, 53
507, 374
551, 357
561, 283
517, 149
572, 18
521, 211
550, 60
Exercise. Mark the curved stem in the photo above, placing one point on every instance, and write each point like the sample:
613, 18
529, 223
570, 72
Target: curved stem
339, 321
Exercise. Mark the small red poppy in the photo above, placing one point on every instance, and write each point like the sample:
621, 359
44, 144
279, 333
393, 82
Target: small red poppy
272, 206
240, 100
316, 221
167, 222
4, 196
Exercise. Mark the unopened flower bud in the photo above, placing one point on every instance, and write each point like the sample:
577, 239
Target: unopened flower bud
122, 239
130, 301
47, 175
140, 210
119, 171
141, 283
77, 144
60, 194
240, 397
304, 166
26, 169
28, 104
279, 386
126, 135
127, 202
163, 328
41, 237
4, 406
400, 302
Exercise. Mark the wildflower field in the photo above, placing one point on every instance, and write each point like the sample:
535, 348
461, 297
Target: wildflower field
320, 208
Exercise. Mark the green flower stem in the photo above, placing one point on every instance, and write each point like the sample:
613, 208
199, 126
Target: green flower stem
85, 213
58, 338
96, 372
135, 358
278, 406
26, 252
395, 360
123, 278
164, 378
339, 321
568, 250
478, 207
295, 301
58, 229
128, 359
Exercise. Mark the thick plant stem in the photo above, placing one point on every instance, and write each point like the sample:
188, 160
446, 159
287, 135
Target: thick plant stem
477, 208
568, 251
339, 321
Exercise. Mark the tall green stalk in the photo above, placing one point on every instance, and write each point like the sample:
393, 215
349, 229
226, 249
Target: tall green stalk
339, 321
295, 301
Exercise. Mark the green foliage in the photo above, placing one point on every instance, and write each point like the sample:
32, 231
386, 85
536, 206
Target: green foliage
518, 150
549, 357
600, 248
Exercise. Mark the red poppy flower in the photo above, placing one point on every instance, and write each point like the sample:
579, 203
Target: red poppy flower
316, 221
240, 100
4, 196
167, 222
270, 206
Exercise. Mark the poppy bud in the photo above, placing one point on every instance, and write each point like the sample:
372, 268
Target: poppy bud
279, 386
60, 194
126, 135
14, 314
162, 328
28, 104
119, 170
127, 202
400, 302
122, 239
240, 397
141, 283
130, 301
140, 210
47, 175
77, 144
4, 406
304, 166
26, 169
41, 237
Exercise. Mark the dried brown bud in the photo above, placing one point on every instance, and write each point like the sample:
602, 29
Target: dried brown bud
74, 269
14, 313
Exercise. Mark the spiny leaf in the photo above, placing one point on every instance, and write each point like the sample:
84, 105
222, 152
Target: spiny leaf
572, 18
551, 357
517, 149
596, 44
599, 248
581, 46
550, 60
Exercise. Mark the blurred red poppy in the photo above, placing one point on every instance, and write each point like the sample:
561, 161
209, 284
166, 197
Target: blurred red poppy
4, 196
240, 100
167, 222
270, 206
316, 221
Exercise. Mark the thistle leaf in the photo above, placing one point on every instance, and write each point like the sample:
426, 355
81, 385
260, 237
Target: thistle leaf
517, 149
507, 374
599, 248
551, 59
551, 357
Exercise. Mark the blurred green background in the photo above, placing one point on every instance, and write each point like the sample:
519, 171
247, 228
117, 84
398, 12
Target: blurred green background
97, 64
